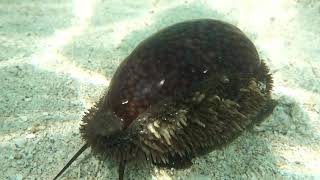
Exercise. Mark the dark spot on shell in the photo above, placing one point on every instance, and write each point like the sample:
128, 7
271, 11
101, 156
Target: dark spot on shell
186, 90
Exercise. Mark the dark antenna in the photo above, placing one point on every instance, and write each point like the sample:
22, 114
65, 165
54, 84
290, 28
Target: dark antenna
84, 147
121, 169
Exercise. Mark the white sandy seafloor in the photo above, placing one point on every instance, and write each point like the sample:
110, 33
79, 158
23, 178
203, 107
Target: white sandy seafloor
57, 56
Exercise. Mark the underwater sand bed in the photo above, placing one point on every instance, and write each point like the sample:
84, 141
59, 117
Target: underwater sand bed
56, 59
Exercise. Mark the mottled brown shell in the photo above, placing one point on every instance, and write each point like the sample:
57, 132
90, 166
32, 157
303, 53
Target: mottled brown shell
187, 89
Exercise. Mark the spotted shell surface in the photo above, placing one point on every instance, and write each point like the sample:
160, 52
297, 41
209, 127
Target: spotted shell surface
186, 90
